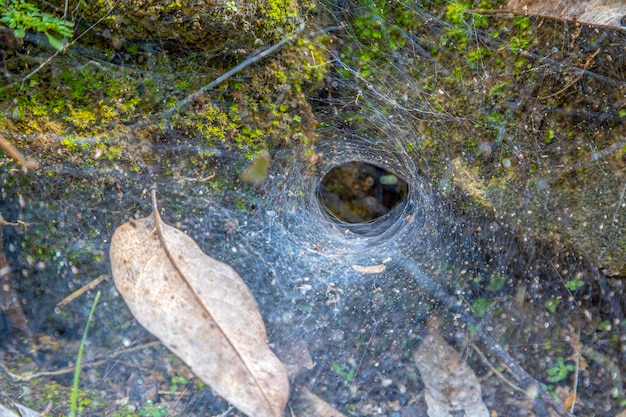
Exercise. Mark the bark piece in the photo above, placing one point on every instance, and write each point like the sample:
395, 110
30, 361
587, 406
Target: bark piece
10, 304
610, 13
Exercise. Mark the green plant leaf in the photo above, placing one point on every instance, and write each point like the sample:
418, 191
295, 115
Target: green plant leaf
551, 304
19, 33
574, 284
54, 42
480, 306
496, 282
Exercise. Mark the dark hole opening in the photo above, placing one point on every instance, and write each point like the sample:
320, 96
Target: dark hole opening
359, 192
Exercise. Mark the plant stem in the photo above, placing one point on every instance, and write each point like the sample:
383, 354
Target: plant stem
74, 394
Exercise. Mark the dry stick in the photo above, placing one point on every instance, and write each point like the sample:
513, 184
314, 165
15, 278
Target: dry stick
251, 60
9, 299
8, 148
527, 54
494, 370
577, 348
578, 77
43, 64
518, 12
611, 367
599, 155
82, 290
28, 376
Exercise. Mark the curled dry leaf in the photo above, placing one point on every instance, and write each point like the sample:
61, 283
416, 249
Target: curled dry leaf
308, 404
24, 411
451, 385
257, 171
201, 310
5, 412
369, 269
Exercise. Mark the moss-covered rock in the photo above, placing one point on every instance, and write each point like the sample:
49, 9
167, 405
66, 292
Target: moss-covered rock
198, 25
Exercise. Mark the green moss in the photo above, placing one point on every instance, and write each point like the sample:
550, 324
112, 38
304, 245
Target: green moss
278, 12
126, 411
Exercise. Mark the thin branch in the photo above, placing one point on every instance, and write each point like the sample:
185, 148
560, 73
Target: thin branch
82, 290
29, 376
43, 64
576, 79
249, 61
8, 148
495, 371
612, 369
577, 346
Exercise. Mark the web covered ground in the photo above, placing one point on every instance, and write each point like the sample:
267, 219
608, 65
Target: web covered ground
514, 215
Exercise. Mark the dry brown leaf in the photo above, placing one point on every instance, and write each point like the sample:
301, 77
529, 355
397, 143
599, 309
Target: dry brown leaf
294, 354
201, 310
369, 269
594, 12
24, 411
451, 385
569, 403
5, 412
310, 405
257, 171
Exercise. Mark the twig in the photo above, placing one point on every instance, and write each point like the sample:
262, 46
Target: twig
28, 376
611, 367
577, 78
601, 154
527, 54
619, 203
46, 410
577, 348
495, 371
9, 298
43, 64
82, 290
225, 413
8, 148
249, 61
518, 12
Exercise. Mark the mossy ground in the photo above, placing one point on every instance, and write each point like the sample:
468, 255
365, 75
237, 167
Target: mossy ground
498, 109
91, 119
475, 107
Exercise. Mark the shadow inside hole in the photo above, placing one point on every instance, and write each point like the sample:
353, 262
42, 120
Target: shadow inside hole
358, 192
